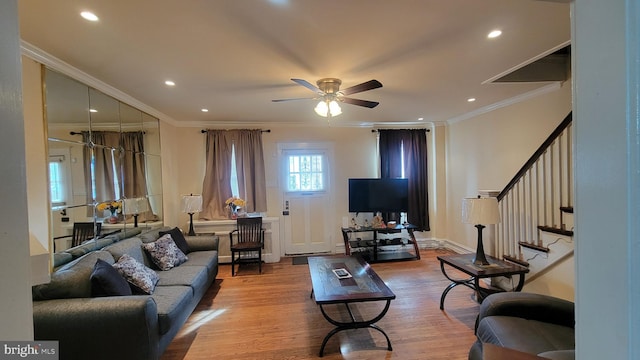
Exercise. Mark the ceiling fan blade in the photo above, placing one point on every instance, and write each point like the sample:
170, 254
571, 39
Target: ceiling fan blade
365, 103
365, 86
290, 99
308, 85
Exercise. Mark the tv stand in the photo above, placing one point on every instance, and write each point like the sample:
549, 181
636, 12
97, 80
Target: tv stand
380, 250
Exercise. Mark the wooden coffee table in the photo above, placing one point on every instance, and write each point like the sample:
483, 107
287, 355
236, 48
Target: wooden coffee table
364, 285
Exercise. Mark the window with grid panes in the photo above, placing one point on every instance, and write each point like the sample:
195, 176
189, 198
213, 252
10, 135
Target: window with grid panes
306, 173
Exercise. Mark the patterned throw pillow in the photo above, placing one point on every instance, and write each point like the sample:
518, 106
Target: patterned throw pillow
138, 275
165, 253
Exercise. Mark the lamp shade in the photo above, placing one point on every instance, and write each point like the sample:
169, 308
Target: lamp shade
134, 206
480, 211
191, 203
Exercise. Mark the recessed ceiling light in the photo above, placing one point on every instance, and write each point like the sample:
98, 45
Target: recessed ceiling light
494, 34
93, 110
169, 83
88, 15
420, 119
471, 99
204, 110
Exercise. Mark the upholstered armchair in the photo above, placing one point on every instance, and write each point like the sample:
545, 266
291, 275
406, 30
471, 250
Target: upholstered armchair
531, 323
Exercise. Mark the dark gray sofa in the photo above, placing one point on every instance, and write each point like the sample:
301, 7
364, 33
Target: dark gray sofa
531, 323
122, 327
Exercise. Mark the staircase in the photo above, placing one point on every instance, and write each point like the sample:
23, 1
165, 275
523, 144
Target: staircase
536, 207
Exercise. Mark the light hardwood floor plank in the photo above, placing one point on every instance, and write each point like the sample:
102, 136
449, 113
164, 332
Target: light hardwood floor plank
271, 316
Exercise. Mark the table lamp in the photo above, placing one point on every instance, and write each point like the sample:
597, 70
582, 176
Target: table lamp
481, 212
134, 207
191, 204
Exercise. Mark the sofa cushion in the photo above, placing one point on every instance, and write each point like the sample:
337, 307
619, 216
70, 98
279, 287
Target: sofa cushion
107, 281
165, 253
203, 258
132, 247
61, 258
178, 238
193, 276
140, 276
173, 309
89, 246
152, 235
71, 280
524, 335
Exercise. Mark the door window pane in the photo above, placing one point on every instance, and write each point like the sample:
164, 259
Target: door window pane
305, 173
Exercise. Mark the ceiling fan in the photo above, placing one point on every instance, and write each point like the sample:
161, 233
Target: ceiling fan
330, 95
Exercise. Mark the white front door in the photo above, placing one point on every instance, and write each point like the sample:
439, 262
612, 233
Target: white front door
308, 215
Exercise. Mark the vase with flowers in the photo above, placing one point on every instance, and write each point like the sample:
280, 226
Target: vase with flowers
113, 207
234, 204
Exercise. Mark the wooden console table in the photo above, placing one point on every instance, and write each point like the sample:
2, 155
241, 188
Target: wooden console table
374, 249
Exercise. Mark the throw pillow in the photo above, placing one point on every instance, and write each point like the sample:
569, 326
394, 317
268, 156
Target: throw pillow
165, 253
107, 281
138, 275
178, 238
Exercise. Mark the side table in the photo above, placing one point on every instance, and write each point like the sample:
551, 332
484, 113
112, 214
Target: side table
464, 263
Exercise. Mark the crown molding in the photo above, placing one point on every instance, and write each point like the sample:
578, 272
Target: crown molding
56, 64
507, 102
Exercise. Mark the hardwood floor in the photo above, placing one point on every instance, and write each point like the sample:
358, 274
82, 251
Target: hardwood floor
271, 316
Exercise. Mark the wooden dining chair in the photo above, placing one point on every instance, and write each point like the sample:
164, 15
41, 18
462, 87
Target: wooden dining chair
82, 231
248, 244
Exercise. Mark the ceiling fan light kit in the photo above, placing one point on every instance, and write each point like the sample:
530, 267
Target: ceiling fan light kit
326, 108
330, 95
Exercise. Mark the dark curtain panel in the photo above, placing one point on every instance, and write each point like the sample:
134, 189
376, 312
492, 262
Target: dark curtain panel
390, 144
415, 151
408, 146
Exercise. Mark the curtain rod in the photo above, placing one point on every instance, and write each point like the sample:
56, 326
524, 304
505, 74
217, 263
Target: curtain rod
205, 130
377, 130
79, 133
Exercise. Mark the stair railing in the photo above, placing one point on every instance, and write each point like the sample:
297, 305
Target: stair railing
535, 195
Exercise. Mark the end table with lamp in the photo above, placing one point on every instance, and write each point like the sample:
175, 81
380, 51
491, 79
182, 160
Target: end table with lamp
479, 211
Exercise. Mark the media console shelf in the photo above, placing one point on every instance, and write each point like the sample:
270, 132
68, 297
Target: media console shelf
374, 249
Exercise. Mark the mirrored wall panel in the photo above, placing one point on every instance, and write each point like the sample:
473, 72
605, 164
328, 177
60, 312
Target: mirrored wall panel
104, 162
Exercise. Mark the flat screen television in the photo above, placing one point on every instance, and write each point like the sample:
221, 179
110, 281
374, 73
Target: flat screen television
384, 195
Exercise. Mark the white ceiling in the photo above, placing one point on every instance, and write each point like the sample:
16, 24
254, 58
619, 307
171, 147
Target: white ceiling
234, 57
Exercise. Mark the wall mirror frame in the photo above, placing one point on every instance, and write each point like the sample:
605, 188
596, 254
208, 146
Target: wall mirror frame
104, 161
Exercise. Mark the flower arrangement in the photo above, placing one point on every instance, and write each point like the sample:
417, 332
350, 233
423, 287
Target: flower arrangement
112, 206
234, 203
